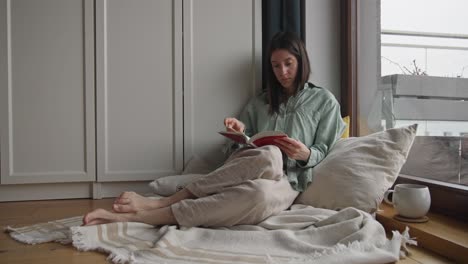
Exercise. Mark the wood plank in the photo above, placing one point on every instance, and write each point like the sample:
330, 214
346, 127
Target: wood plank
32, 212
419, 255
442, 235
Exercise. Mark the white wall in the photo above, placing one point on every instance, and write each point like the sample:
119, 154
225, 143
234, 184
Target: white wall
221, 55
323, 43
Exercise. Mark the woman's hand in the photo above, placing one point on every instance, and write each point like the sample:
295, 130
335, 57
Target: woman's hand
233, 125
295, 149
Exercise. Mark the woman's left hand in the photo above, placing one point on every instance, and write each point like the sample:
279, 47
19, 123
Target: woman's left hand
295, 149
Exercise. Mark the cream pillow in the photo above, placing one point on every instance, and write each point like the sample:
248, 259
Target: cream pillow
358, 170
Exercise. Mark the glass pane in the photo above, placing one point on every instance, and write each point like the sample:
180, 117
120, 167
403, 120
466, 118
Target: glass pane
447, 63
425, 15
439, 160
398, 60
446, 128
431, 45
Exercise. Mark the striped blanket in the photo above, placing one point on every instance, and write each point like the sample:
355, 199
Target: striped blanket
302, 234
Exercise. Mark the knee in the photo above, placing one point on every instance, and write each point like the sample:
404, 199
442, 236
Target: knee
271, 156
272, 151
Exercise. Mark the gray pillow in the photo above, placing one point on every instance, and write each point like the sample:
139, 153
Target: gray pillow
357, 171
169, 185
195, 168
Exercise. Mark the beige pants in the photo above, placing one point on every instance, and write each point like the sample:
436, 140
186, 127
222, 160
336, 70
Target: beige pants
248, 188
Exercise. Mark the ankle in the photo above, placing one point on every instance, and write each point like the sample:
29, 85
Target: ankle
132, 217
164, 202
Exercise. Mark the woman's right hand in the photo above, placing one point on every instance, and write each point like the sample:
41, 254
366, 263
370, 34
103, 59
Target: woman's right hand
233, 125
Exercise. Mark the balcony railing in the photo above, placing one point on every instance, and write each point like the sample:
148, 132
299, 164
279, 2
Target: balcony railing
460, 42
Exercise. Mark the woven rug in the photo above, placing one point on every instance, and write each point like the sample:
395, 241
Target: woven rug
303, 234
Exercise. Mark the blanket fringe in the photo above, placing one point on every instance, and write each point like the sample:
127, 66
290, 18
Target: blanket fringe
405, 241
117, 258
78, 240
22, 238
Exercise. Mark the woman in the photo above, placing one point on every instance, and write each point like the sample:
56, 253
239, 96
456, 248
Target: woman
253, 183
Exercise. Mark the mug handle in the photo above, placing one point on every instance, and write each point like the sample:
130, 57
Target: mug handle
387, 193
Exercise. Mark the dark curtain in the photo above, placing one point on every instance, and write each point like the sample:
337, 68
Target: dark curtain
281, 15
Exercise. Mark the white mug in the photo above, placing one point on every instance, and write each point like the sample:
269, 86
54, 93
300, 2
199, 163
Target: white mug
410, 200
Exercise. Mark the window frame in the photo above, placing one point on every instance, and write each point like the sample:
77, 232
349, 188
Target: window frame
448, 199
349, 62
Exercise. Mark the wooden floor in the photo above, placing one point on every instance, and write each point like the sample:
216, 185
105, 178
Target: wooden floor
26, 213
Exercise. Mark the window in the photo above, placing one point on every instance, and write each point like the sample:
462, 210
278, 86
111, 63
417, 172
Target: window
407, 62
424, 80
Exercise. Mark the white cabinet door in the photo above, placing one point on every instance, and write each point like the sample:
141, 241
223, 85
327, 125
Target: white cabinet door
47, 91
222, 64
139, 89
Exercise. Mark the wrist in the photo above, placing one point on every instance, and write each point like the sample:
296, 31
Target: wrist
303, 163
307, 155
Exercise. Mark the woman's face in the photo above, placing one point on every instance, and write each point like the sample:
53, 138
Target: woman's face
284, 66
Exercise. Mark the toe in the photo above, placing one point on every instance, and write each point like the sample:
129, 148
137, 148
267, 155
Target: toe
88, 218
85, 220
97, 222
98, 213
123, 201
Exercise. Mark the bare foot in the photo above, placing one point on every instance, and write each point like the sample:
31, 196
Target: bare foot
129, 202
101, 216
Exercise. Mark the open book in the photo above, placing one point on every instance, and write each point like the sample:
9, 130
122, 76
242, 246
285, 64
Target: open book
260, 139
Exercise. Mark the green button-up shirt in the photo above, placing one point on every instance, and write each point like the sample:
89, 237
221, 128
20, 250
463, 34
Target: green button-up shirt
312, 116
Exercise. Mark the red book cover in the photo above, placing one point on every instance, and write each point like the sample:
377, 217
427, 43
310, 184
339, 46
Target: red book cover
268, 140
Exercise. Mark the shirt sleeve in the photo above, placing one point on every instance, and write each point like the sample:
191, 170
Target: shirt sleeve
329, 129
247, 116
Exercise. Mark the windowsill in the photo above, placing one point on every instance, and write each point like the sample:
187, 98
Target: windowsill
443, 235
454, 186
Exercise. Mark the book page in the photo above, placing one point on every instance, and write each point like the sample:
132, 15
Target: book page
236, 136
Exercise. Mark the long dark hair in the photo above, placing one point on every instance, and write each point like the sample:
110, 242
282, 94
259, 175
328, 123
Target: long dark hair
294, 45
